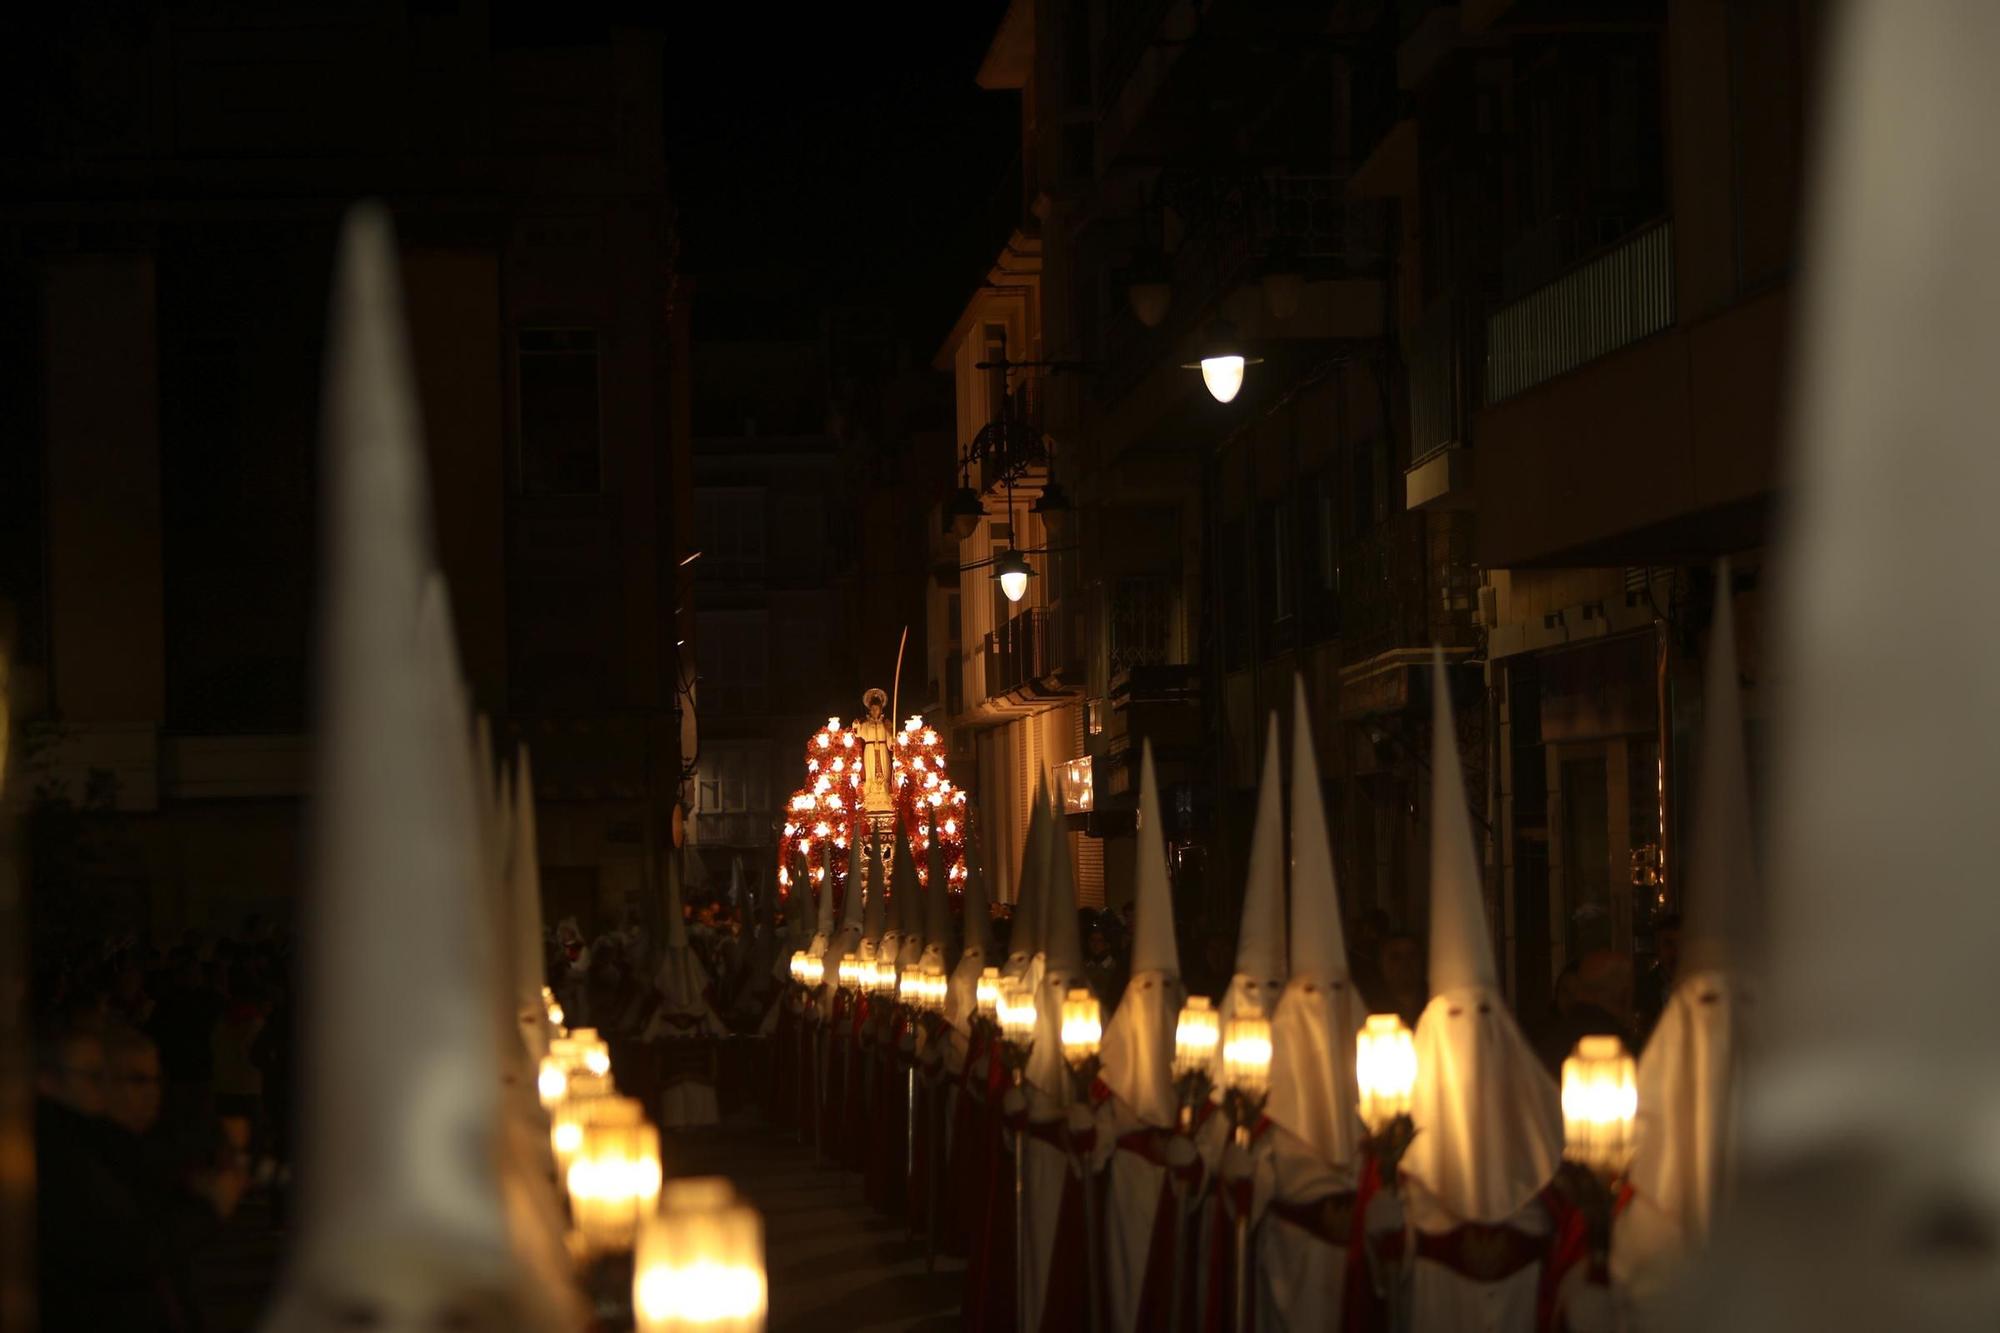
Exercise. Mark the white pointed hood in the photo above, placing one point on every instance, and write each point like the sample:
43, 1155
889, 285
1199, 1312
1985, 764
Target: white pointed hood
962, 991
1024, 936
1488, 1116
1260, 938
1687, 1072
1062, 965
1313, 1093
399, 1157
524, 876
863, 866
939, 947
823, 927
908, 904
1137, 1053
680, 978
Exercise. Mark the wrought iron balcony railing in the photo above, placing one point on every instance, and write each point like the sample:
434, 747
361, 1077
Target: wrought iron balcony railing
1601, 305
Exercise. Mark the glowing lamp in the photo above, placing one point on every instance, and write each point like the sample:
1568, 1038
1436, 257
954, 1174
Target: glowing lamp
566, 1127
908, 983
1600, 1101
813, 971
1017, 1014
987, 995
1197, 1032
936, 984
552, 1081
798, 966
1082, 1026
1385, 1069
555, 1011
1246, 1055
700, 1263
614, 1184
1013, 571
850, 973
1222, 362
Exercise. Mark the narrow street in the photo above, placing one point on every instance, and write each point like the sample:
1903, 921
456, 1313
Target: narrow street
834, 1263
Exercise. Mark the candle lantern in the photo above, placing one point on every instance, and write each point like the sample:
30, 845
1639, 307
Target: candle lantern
614, 1183
1246, 1056
1082, 1026
552, 1080
934, 987
700, 1264
584, 1107
1017, 1015
590, 1051
554, 1010
988, 994
1197, 1033
908, 985
798, 966
850, 973
813, 971
1600, 1101
1385, 1070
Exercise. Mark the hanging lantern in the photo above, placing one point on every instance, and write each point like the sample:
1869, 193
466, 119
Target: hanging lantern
987, 996
1385, 1069
1246, 1055
1600, 1101
1082, 1026
614, 1183
1197, 1033
700, 1263
602, 1106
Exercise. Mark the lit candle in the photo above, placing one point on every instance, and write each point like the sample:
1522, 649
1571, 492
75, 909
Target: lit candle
1385, 1070
1600, 1101
1017, 1014
1197, 1033
583, 1107
1082, 1026
987, 996
1246, 1055
614, 1182
700, 1263
813, 971
934, 988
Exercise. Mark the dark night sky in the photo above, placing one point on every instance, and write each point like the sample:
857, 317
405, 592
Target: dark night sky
842, 152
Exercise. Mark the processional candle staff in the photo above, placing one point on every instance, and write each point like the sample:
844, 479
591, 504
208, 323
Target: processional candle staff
1600, 1102
1197, 1034
614, 1185
1017, 1030
700, 1265
1082, 1034
1246, 1082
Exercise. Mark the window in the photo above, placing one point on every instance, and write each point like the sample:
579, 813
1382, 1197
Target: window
559, 412
735, 656
733, 778
730, 527
994, 344
799, 538
802, 644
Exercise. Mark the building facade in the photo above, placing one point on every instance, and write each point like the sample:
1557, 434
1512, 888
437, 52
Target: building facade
1486, 231
168, 248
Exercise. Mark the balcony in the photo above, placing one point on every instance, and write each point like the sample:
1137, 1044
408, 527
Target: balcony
1440, 471
1026, 666
1603, 304
1158, 703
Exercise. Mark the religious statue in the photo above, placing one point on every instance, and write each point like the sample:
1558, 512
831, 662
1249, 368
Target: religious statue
877, 797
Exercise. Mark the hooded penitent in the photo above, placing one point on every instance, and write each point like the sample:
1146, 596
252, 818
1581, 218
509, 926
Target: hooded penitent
1260, 940
1062, 968
938, 943
1312, 1033
823, 928
1137, 1062
400, 1159
1137, 1053
874, 912
1687, 1073
962, 993
681, 979
888, 931
1867, 1193
862, 878
1487, 1114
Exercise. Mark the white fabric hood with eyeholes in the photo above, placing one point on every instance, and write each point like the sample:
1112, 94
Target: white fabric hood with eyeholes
1137, 1052
1312, 1031
1260, 942
1488, 1116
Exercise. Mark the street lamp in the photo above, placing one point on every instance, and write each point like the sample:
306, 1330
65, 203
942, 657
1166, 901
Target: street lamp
1222, 361
1013, 571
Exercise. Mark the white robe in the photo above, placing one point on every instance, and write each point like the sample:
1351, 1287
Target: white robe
1442, 1300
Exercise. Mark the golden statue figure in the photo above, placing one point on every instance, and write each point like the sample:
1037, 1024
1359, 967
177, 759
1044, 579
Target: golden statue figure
877, 797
